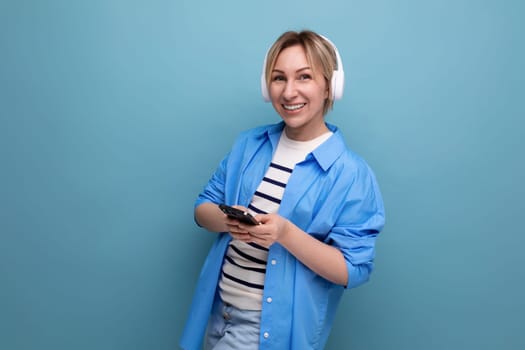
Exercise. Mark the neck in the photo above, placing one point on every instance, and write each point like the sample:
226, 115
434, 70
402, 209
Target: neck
307, 134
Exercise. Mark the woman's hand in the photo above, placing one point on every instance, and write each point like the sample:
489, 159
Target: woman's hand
236, 229
323, 259
272, 228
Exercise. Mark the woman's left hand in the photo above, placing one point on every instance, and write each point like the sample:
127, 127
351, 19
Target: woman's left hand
272, 228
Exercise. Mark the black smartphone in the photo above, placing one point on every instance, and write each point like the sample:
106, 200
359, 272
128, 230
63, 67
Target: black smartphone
238, 214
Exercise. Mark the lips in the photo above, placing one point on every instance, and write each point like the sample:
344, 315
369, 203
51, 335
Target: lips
294, 107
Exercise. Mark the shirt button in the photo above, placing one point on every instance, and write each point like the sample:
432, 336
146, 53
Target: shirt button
266, 335
269, 300
274, 262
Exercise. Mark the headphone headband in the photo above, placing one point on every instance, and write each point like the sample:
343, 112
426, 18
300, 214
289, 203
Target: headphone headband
337, 82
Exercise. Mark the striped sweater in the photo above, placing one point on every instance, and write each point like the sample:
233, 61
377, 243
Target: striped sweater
244, 266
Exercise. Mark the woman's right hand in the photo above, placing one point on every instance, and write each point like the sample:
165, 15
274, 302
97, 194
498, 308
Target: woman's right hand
209, 216
233, 227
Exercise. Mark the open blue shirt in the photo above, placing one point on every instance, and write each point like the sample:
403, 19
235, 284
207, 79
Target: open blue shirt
332, 195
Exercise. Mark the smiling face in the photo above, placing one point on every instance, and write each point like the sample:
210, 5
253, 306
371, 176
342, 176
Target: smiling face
298, 92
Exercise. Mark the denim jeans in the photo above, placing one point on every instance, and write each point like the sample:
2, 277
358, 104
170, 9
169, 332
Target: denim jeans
230, 328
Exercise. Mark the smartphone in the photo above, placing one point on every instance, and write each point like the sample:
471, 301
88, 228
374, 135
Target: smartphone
238, 214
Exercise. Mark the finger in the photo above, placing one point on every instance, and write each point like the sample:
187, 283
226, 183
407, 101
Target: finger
258, 232
238, 230
232, 222
261, 241
254, 229
242, 237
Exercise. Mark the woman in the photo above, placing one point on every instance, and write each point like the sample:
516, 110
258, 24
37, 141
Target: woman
276, 285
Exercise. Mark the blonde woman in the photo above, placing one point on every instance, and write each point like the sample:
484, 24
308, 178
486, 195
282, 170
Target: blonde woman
277, 284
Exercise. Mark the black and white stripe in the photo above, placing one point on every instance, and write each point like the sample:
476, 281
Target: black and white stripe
244, 266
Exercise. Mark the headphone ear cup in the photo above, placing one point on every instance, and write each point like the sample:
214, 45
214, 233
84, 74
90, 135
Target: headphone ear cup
338, 80
264, 86
338, 75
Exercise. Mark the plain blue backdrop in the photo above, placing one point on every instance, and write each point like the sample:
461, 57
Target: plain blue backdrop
115, 113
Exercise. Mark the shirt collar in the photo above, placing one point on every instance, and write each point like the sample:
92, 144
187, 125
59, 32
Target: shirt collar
325, 155
328, 152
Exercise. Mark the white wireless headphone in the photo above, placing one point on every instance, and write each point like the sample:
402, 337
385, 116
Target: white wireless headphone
338, 76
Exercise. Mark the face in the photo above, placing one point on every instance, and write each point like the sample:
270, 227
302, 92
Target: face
298, 95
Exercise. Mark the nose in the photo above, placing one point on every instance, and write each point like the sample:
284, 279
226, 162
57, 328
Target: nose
290, 90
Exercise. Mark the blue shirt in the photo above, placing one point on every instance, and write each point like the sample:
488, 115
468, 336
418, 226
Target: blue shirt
332, 195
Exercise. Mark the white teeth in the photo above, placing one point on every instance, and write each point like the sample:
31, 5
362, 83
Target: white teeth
293, 107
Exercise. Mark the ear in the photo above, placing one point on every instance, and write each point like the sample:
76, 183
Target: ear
327, 89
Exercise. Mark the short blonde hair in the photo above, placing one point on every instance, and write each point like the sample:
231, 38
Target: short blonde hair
320, 54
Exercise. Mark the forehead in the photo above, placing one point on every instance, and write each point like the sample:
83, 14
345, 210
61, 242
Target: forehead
292, 57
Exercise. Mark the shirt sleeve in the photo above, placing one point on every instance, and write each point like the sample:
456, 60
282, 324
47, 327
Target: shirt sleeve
214, 191
358, 224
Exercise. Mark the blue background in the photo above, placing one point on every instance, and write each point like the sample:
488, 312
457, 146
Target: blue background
115, 113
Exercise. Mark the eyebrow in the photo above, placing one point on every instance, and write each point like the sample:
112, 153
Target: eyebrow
297, 71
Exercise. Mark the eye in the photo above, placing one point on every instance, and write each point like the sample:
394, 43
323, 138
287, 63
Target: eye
278, 78
305, 77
